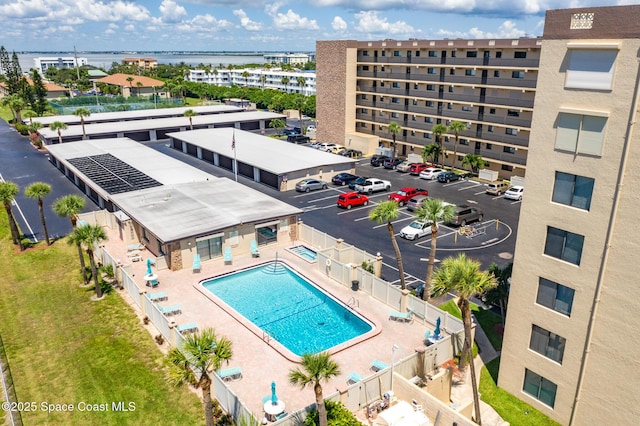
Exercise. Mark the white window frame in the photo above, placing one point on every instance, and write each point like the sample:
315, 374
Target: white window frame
581, 132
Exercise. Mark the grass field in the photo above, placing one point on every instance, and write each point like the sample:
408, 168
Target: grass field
64, 348
487, 320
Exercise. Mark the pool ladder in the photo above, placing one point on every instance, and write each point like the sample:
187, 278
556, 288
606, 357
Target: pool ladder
353, 302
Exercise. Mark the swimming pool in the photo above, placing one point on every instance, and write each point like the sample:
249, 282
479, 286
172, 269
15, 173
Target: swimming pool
289, 308
305, 252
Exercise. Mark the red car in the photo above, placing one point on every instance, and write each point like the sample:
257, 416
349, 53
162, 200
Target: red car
416, 168
405, 194
352, 199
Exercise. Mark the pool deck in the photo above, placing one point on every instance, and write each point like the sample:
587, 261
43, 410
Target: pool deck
260, 363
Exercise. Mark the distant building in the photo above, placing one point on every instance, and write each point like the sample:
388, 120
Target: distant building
262, 78
53, 90
287, 58
143, 63
43, 63
136, 86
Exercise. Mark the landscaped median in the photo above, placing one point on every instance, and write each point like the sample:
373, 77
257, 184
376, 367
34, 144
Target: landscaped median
78, 361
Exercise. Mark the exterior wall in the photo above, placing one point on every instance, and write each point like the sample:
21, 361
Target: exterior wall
336, 86
594, 385
272, 79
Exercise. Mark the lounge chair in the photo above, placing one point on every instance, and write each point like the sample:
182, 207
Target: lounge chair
196, 263
254, 249
158, 297
137, 246
190, 327
230, 374
354, 378
377, 365
401, 316
227, 255
281, 415
154, 283
170, 310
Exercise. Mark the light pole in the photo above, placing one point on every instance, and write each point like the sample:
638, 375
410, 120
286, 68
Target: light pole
394, 348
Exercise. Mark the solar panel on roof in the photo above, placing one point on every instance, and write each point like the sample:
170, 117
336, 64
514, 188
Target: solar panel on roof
112, 174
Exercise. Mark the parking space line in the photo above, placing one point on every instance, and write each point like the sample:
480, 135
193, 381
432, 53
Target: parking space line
15, 203
395, 221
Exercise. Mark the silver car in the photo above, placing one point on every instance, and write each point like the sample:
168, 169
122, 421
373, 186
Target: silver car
416, 202
307, 185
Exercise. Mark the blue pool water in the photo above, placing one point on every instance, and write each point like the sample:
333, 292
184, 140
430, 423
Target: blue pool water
288, 307
305, 252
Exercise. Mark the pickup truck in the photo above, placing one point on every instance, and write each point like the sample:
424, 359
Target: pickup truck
403, 195
373, 185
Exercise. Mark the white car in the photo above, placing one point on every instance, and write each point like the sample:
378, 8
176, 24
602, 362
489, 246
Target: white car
430, 173
327, 147
514, 193
311, 128
415, 230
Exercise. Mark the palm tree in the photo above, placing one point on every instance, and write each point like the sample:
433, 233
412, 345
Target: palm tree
500, 293
30, 114
278, 124
438, 130
202, 351
298, 103
432, 150
473, 161
315, 368
456, 127
88, 236
433, 210
8, 192
37, 191
285, 81
190, 113
394, 129
245, 74
16, 104
263, 80
301, 82
387, 212
139, 86
70, 206
463, 276
82, 113
130, 80
59, 126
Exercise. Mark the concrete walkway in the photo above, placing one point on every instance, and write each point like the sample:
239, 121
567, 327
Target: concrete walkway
462, 393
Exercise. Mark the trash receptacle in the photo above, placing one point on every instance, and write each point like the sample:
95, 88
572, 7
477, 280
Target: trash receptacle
354, 285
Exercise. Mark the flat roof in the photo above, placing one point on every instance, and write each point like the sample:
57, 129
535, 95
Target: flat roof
190, 203
136, 114
273, 155
160, 123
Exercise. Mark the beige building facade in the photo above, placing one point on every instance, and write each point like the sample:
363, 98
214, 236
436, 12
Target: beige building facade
570, 347
488, 85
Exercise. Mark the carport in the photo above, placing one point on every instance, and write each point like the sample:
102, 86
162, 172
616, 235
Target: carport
275, 163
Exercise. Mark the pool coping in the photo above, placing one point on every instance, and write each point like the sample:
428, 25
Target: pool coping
273, 343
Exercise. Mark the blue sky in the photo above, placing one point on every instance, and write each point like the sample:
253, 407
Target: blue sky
256, 25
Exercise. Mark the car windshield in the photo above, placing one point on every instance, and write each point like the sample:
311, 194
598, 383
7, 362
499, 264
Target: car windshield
416, 225
401, 193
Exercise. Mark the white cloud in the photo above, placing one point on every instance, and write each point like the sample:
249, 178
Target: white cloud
203, 24
246, 22
171, 11
506, 30
338, 24
289, 20
371, 22
130, 27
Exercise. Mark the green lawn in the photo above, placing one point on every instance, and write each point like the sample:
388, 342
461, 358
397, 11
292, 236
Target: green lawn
64, 348
5, 113
510, 408
489, 321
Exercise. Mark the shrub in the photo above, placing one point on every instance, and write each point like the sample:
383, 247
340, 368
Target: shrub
337, 415
23, 129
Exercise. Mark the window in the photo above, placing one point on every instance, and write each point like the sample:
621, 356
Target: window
395, 85
564, 245
489, 146
464, 142
590, 69
449, 105
381, 113
396, 53
547, 343
415, 102
413, 118
427, 135
408, 71
469, 72
433, 54
381, 98
428, 119
492, 110
513, 113
209, 248
540, 388
363, 96
382, 67
381, 83
451, 89
365, 68
490, 129
517, 74
509, 149
365, 53
453, 53
583, 134
472, 54
467, 108
415, 86
364, 111
145, 237
572, 190
431, 70
395, 100
498, 55
555, 296
520, 55
507, 168
383, 53
417, 53
511, 131
394, 115
431, 87
452, 71
413, 132
363, 124
496, 73
430, 104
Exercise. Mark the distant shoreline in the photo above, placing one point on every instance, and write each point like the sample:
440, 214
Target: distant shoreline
158, 52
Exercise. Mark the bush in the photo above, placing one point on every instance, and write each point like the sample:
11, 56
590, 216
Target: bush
23, 129
337, 415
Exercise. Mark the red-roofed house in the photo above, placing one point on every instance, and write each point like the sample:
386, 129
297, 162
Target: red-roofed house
53, 90
134, 84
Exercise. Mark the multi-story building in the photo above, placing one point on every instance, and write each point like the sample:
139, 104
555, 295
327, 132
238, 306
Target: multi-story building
287, 58
489, 85
142, 63
571, 344
303, 82
43, 63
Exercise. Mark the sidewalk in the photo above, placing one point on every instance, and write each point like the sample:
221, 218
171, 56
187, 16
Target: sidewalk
462, 393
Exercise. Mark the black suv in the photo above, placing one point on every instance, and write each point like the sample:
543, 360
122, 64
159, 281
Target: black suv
298, 139
391, 163
377, 160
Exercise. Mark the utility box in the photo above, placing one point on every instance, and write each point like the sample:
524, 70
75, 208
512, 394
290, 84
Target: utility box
488, 175
414, 158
